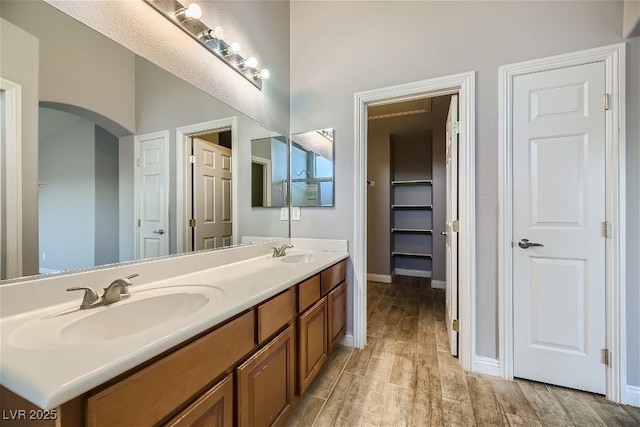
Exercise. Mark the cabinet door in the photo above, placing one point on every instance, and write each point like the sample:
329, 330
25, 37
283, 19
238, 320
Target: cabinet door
213, 409
313, 343
337, 315
266, 383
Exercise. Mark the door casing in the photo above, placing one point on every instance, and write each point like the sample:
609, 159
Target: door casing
614, 59
464, 85
183, 135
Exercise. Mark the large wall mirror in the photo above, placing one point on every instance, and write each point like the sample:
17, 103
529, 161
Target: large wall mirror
132, 161
312, 168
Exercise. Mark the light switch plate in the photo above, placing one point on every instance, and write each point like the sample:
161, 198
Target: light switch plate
284, 214
295, 213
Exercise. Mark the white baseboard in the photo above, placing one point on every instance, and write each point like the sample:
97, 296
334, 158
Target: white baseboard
412, 273
382, 278
487, 365
438, 284
348, 340
631, 395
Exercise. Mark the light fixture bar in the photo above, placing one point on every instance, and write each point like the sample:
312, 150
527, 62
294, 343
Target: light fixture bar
174, 11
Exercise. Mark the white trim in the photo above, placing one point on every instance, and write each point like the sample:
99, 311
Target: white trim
464, 85
438, 284
380, 278
631, 395
347, 340
13, 186
614, 59
487, 365
411, 273
183, 134
136, 176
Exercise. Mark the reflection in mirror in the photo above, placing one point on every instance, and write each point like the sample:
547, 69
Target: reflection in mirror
108, 141
269, 160
312, 168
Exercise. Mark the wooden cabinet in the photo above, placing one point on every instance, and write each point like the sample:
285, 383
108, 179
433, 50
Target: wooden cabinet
150, 395
241, 373
213, 409
313, 343
266, 383
337, 319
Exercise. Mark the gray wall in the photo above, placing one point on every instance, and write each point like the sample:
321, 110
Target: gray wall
410, 41
19, 56
262, 28
107, 203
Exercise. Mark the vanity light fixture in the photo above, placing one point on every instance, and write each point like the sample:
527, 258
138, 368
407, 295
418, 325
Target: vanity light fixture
188, 20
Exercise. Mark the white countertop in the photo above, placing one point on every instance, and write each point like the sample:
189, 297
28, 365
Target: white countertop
48, 373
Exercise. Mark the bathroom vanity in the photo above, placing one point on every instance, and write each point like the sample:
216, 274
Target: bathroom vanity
244, 358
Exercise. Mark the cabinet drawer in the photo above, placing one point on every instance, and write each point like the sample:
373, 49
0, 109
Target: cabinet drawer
308, 293
213, 409
276, 313
151, 394
332, 276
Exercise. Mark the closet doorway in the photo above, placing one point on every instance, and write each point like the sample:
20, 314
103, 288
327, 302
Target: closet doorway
412, 196
462, 85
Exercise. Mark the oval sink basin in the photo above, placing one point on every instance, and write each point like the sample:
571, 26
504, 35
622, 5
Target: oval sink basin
145, 309
126, 318
297, 258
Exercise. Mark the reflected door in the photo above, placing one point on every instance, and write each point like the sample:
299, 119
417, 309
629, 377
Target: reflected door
211, 195
152, 189
451, 289
559, 204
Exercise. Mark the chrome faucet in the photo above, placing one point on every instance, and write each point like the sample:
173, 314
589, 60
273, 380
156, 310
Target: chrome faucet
280, 252
116, 291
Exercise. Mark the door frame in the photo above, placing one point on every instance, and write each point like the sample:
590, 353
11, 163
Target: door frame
136, 189
183, 136
464, 85
614, 58
13, 170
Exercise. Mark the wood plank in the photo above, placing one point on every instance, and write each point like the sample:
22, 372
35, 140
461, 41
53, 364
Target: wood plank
579, 411
612, 414
633, 411
511, 398
359, 360
518, 421
547, 407
486, 409
398, 406
454, 383
342, 403
328, 377
306, 412
403, 371
457, 414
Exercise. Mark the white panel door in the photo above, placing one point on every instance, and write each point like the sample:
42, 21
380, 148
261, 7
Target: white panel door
451, 216
153, 209
212, 195
559, 202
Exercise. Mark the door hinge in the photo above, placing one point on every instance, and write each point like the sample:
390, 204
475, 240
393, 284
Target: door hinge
455, 127
455, 226
192, 223
139, 222
605, 101
138, 161
455, 325
606, 229
606, 357
192, 159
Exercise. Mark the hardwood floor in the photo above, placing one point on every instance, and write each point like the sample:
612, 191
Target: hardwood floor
407, 377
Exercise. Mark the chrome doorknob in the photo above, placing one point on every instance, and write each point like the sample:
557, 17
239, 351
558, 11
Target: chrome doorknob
525, 243
161, 231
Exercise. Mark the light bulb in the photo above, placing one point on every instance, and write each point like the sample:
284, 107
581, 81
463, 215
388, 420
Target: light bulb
263, 74
191, 12
250, 62
233, 49
216, 34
